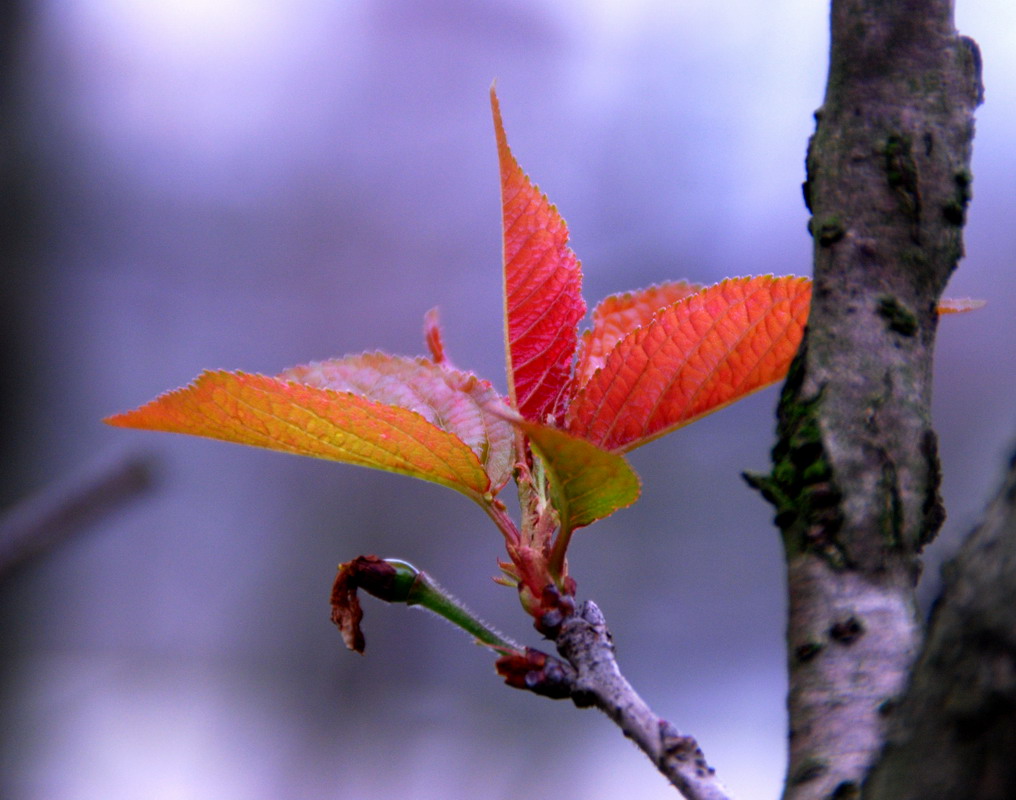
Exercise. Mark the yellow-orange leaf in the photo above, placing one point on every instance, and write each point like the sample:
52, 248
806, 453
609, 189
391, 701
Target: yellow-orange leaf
454, 401
618, 315
308, 420
542, 287
695, 356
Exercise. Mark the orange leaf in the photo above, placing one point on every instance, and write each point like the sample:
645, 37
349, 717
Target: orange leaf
617, 316
958, 305
456, 402
695, 356
543, 290
311, 421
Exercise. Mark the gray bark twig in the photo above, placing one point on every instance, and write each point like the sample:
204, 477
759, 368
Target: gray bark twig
590, 677
585, 642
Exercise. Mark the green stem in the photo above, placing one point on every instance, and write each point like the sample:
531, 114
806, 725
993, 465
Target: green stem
429, 594
555, 562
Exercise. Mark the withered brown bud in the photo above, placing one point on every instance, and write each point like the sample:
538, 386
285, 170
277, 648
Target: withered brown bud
389, 580
346, 611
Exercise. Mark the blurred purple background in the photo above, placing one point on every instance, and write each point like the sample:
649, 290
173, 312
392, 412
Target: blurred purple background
252, 185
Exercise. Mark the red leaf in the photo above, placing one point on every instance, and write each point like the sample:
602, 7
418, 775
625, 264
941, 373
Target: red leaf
307, 420
617, 316
695, 356
543, 290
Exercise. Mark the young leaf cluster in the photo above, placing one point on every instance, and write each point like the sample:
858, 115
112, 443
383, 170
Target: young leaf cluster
652, 361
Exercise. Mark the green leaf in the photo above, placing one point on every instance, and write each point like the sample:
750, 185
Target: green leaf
587, 482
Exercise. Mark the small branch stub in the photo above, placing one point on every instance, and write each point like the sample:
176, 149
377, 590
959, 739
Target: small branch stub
64, 509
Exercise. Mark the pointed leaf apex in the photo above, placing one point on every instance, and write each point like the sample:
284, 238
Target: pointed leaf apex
542, 290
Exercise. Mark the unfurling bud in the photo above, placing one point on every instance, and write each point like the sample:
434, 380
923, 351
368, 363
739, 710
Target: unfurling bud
396, 581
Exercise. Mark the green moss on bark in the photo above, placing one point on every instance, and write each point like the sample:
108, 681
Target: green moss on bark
801, 485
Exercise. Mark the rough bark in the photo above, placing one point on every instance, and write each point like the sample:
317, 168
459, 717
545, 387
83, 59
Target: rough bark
955, 732
855, 476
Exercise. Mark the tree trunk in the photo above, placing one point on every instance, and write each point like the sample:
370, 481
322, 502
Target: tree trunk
955, 732
855, 476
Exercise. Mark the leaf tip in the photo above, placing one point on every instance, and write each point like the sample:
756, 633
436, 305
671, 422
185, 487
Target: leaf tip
500, 136
959, 305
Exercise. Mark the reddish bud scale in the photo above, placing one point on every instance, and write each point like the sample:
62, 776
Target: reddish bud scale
537, 672
432, 336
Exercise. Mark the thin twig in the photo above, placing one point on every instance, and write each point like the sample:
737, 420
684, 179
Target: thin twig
586, 642
63, 509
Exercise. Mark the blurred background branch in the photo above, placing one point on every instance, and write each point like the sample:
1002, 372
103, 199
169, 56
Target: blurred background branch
66, 508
